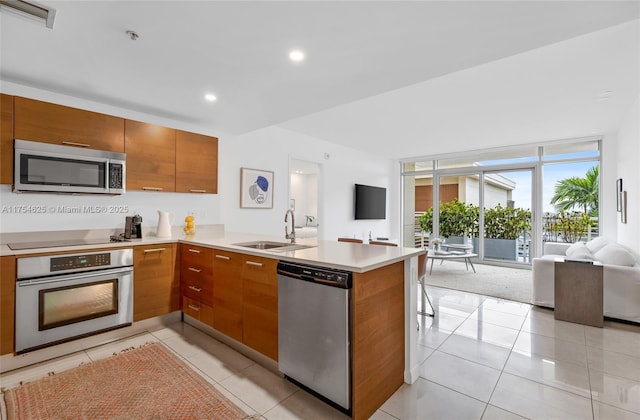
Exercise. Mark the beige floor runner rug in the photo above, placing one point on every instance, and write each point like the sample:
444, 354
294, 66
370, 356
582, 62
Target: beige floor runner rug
488, 280
144, 383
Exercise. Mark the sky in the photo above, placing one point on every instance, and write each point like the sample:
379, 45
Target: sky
551, 175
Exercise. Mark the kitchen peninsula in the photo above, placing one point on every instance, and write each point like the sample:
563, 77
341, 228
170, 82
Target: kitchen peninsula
383, 309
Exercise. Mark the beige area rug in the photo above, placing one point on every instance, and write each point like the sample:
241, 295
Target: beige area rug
501, 282
145, 383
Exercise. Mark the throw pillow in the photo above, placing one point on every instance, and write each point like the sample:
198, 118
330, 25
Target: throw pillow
582, 254
615, 254
597, 244
577, 247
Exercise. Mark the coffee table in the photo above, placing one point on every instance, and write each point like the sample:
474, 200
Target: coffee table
452, 255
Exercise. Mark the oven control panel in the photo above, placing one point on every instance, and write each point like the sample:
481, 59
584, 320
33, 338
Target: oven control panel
70, 262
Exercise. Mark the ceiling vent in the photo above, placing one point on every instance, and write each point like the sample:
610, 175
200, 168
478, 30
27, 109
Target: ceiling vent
30, 10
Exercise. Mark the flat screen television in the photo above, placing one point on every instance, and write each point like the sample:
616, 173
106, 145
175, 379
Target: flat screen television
370, 202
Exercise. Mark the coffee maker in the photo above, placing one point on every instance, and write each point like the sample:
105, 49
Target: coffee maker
133, 227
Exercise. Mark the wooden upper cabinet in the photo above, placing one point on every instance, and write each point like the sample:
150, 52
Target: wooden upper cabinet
6, 139
196, 163
151, 156
57, 124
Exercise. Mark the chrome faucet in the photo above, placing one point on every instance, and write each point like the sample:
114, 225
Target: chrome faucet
290, 235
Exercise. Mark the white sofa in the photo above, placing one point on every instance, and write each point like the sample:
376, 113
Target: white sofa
621, 275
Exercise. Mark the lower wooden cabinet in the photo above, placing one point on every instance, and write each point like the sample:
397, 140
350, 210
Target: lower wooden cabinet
156, 288
244, 295
260, 305
227, 293
7, 303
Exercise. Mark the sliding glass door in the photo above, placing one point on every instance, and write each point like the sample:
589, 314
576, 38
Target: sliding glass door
503, 204
507, 215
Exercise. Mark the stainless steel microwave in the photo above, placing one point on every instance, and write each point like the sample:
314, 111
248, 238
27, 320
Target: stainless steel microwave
43, 167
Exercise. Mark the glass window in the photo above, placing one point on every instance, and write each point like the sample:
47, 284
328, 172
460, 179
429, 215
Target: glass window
502, 157
571, 150
426, 165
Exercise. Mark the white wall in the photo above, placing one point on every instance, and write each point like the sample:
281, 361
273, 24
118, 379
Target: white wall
628, 168
271, 149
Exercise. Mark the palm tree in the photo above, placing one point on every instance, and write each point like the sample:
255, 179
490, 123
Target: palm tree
578, 193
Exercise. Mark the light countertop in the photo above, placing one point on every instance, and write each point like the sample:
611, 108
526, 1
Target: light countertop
340, 255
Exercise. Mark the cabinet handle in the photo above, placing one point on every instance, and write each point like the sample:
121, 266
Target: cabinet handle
255, 264
194, 250
198, 191
194, 288
195, 308
223, 257
152, 188
71, 143
195, 270
155, 250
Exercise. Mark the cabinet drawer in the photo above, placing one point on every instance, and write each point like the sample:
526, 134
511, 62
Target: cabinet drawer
197, 287
198, 310
198, 255
192, 289
196, 271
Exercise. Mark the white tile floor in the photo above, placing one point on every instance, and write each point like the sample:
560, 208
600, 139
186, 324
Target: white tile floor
484, 358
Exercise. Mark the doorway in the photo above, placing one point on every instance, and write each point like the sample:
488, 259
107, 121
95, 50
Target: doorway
304, 194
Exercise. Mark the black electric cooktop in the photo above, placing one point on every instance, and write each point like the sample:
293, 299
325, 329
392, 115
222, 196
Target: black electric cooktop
61, 242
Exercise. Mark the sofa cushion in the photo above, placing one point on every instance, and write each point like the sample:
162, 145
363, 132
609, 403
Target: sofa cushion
615, 254
581, 254
577, 247
597, 244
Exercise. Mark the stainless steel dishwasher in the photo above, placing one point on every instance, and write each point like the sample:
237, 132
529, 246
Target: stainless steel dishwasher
314, 330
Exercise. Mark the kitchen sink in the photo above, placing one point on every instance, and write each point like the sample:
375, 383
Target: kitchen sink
273, 246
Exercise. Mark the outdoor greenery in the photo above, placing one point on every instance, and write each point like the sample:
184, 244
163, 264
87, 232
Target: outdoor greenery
506, 222
456, 219
460, 219
566, 226
578, 193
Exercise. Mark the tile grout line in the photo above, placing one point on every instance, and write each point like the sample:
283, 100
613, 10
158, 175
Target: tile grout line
504, 366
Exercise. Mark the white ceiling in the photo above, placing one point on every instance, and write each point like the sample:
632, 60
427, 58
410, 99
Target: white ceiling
356, 52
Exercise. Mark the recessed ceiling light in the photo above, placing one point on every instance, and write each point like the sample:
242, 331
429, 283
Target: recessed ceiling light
296, 55
605, 95
210, 97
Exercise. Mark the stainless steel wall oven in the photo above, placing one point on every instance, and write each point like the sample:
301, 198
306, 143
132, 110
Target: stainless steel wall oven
63, 297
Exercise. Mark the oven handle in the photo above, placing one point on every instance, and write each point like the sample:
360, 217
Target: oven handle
33, 282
